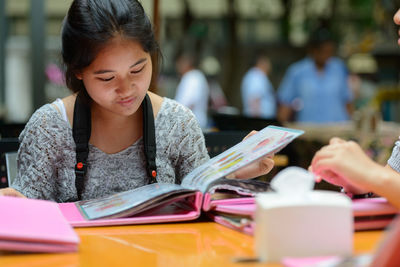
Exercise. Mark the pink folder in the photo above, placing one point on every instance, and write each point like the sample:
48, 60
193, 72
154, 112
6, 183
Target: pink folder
244, 206
209, 204
369, 213
372, 213
174, 212
34, 226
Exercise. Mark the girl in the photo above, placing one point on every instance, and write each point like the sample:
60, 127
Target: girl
107, 47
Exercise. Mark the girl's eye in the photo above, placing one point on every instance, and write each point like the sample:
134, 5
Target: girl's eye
106, 79
137, 71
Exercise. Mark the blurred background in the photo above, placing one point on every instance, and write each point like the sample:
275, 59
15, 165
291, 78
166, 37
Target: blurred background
225, 35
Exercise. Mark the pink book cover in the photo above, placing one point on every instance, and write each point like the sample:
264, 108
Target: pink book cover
243, 206
372, 213
361, 207
32, 225
369, 213
170, 213
312, 261
372, 206
210, 204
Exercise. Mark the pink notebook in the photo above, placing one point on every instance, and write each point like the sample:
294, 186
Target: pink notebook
34, 226
373, 213
369, 213
173, 212
235, 213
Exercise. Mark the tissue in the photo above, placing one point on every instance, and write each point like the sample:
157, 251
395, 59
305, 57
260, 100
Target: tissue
293, 181
297, 221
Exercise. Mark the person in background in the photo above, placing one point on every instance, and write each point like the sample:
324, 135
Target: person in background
193, 90
258, 95
107, 48
315, 89
345, 164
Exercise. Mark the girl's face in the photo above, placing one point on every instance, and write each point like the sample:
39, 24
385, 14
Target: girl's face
118, 78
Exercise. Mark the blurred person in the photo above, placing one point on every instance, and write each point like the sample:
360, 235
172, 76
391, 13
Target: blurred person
345, 164
315, 89
193, 90
257, 91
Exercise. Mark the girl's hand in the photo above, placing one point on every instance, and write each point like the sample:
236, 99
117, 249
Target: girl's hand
257, 168
11, 192
345, 164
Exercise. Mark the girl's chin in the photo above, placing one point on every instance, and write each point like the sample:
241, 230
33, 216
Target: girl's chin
126, 111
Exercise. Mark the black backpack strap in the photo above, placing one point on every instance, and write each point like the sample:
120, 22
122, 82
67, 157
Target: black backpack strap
149, 137
81, 130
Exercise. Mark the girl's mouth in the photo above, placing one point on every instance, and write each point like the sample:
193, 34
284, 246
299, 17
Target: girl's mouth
126, 102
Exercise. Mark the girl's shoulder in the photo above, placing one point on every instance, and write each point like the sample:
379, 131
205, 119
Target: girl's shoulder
69, 103
173, 112
168, 108
46, 113
177, 122
46, 119
156, 102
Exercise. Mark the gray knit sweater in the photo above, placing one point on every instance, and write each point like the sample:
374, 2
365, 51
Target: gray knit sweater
394, 160
47, 157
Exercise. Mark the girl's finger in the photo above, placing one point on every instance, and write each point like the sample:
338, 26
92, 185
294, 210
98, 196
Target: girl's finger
336, 140
250, 134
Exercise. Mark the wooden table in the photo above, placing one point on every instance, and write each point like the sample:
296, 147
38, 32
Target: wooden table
179, 244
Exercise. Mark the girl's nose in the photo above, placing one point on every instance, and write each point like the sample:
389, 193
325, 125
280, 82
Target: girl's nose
396, 17
125, 87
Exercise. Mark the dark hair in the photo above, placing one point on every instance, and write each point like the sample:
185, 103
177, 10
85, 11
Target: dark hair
258, 54
320, 36
90, 24
189, 56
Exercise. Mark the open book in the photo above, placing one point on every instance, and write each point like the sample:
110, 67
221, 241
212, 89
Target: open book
158, 202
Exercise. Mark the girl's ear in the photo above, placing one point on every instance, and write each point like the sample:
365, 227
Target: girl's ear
78, 75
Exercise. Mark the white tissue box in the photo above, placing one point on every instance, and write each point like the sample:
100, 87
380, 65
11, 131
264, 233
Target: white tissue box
318, 223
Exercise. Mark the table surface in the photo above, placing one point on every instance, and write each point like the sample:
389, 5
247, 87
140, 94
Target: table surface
179, 244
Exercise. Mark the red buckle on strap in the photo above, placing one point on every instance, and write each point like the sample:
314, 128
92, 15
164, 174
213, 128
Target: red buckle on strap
79, 165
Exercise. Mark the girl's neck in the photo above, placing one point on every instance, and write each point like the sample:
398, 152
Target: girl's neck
110, 119
112, 133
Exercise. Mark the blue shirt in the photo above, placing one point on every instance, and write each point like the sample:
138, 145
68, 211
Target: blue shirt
256, 86
316, 96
